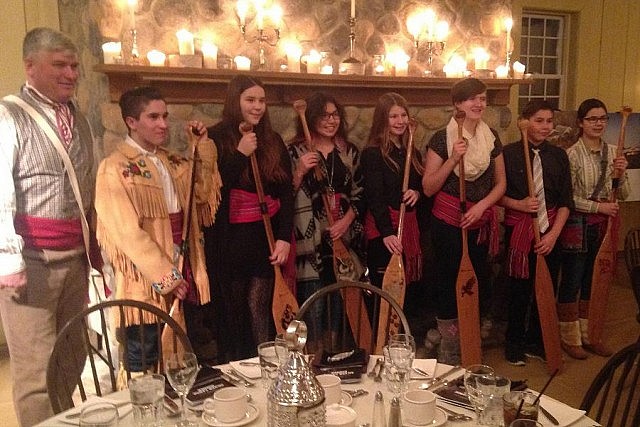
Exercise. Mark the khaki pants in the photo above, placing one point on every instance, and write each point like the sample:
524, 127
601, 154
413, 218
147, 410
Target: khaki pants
56, 290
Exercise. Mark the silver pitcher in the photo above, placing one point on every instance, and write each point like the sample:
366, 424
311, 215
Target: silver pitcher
296, 399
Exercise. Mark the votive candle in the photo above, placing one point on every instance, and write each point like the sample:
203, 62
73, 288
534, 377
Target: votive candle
242, 63
209, 54
112, 52
185, 42
156, 58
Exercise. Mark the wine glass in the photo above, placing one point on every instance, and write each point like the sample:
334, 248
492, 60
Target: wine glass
478, 380
181, 370
402, 351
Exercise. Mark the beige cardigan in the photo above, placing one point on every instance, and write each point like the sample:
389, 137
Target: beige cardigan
133, 225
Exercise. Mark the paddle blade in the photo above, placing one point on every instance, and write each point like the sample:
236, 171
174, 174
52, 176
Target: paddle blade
284, 306
468, 312
170, 343
394, 283
602, 278
548, 315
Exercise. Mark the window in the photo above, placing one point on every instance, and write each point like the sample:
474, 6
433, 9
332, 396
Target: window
542, 52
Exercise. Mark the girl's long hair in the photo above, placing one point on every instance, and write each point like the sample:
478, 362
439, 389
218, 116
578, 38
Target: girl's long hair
268, 153
379, 136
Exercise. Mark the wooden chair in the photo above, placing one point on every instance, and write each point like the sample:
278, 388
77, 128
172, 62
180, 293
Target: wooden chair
66, 380
613, 399
632, 259
332, 330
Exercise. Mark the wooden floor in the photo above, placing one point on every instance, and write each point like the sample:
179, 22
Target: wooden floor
569, 387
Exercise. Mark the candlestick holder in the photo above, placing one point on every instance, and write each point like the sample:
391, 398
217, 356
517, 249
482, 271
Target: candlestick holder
433, 48
352, 65
135, 54
508, 61
263, 39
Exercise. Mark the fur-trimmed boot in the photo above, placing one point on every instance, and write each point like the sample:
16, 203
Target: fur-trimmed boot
596, 348
449, 350
570, 338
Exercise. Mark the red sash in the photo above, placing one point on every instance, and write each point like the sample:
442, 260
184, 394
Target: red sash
176, 232
447, 208
244, 206
46, 233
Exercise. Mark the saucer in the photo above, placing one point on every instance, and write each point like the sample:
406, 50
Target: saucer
251, 415
346, 399
439, 419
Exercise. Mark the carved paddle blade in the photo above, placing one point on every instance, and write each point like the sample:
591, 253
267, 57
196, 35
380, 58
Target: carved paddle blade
548, 315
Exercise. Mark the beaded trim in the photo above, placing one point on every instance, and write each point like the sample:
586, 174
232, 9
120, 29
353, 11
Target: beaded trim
165, 284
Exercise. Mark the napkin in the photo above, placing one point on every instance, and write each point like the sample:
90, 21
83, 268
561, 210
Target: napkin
427, 365
565, 414
252, 371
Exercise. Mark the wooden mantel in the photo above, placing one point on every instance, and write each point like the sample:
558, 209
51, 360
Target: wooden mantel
198, 85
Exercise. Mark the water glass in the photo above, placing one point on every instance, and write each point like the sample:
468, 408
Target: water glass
401, 352
492, 388
479, 381
272, 355
103, 414
147, 393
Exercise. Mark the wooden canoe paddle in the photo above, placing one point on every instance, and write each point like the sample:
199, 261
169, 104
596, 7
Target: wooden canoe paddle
169, 342
545, 298
467, 282
394, 280
342, 260
284, 306
604, 265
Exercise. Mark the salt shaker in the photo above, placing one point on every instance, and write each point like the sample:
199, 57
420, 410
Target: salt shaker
378, 419
395, 416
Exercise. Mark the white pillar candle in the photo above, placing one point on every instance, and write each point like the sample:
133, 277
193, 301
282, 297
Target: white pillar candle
242, 63
402, 69
502, 72
480, 58
156, 58
313, 62
353, 9
326, 69
293, 52
112, 52
185, 42
456, 67
209, 54
518, 70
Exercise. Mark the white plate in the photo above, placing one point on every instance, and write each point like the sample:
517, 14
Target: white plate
346, 399
251, 415
439, 419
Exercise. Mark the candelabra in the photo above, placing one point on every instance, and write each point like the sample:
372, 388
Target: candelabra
263, 39
433, 48
135, 54
351, 65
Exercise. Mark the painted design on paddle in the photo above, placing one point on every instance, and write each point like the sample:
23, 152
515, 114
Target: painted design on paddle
605, 266
467, 289
288, 315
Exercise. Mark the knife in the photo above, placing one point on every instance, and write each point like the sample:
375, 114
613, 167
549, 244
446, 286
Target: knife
235, 380
551, 418
75, 415
440, 378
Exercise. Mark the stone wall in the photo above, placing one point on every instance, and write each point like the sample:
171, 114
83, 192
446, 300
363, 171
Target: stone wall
318, 24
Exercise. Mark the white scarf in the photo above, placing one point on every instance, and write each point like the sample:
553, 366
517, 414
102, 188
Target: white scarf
478, 155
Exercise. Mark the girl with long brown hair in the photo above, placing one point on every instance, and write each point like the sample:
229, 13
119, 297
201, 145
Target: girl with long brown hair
239, 262
382, 165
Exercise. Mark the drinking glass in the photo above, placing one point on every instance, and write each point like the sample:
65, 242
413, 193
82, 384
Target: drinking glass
479, 381
181, 370
523, 422
402, 351
146, 393
272, 355
103, 414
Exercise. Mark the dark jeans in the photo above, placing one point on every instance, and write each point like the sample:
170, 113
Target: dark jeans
577, 269
142, 347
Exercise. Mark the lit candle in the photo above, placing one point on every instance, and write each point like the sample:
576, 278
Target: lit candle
242, 8
293, 52
518, 70
185, 42
442, 31
276, 16
402, 69
209, 54
156, 58
326, 69
133, 4
456, 67
508, 23
430, 21
502, 72
400, 61
260, 19
242, 63
481, 57
353, 9
414, 25
313, 62
112, 52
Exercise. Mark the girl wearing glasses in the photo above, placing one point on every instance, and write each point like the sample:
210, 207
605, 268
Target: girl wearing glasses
593, 163
383, 162
337, 159
485, 184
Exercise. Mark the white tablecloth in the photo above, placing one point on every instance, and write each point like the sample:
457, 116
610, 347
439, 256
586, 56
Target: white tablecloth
362, 405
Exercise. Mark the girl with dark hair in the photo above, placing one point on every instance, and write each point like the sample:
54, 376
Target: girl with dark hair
485, 184
382, 166
338, 159
239, 262
593, 163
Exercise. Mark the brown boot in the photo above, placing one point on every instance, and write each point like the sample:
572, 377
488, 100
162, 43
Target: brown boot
570, 331
599, 348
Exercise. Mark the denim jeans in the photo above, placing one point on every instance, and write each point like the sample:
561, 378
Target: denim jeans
142, 345
577, 269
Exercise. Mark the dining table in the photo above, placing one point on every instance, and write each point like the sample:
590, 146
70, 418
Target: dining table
362, 404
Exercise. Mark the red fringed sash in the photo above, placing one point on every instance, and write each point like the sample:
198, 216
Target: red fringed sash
244, 206
46, 233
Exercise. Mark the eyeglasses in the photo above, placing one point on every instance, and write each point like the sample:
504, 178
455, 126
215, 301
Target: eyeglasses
593, 119
326, 116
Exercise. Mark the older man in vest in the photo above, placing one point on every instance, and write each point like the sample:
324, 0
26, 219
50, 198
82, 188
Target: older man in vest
43, 265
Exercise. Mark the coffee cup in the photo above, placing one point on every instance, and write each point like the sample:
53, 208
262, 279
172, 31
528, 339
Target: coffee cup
332, 388
229, 404
419, 407
340, 416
